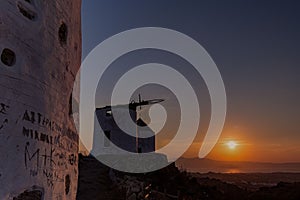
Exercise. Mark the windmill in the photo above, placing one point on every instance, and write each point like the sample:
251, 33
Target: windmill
137, 106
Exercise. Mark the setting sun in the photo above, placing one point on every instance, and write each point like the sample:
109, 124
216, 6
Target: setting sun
231, 144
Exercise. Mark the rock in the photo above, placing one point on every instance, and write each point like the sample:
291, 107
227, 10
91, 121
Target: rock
132, 197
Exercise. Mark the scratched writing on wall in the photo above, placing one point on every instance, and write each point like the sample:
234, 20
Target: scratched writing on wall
3, 116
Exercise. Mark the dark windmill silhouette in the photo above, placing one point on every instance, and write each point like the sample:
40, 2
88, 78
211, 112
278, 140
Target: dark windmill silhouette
137, 106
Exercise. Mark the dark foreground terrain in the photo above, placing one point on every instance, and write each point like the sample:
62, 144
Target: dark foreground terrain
98, 182
251, 181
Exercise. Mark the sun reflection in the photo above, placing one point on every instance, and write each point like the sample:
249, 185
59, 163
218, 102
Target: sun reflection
233, 171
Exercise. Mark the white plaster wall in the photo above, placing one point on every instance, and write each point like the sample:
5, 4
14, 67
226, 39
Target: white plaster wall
116, 135
38, 140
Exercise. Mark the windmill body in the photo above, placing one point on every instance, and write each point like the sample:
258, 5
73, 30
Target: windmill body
110, 139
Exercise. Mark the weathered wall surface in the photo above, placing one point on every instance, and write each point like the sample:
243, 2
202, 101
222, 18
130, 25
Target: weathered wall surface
118, 138
40, 47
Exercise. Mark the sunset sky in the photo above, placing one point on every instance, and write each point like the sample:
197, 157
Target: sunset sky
256, 46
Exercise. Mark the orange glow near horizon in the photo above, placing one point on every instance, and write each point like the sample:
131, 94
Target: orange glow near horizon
230, 150
238, 144
249, 150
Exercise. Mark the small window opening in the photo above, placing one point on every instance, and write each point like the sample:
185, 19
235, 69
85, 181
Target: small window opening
139, 150
107, 138
70, 104
8, 57
63, 34
108, 113
67, 184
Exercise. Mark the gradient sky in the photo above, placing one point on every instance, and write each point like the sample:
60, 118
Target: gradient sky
256, 46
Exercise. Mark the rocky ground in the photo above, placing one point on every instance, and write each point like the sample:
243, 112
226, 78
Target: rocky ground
94, 181
98, 182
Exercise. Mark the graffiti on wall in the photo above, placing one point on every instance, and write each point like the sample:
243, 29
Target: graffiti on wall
3, 116
56, 156
49, 149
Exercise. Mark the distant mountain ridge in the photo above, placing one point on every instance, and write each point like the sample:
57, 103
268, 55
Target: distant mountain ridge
205, 165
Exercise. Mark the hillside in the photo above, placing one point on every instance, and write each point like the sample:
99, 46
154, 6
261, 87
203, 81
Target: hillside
97, 181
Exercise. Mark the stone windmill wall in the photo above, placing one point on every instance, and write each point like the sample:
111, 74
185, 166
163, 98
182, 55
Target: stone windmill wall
40, 47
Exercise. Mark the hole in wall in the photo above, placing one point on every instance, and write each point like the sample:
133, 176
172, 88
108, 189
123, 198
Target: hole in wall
28, 1
67, 184
70, 104
26, 12
8, 57
63, 34
35, 193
